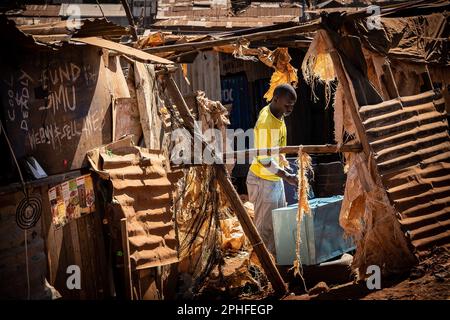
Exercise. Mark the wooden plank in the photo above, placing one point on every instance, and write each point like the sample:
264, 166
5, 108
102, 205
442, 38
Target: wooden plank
68, 94
51, 180
103, 266
315, 149
123, 49
75, 239
89, 276
235, 201
126, 259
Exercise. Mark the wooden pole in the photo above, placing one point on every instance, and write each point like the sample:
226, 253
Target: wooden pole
314, 149
264, 35
352, 101
246, 222
130, 19
126, 259
344, 79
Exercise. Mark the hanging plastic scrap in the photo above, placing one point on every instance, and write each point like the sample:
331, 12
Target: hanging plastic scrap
279, 59
304, 167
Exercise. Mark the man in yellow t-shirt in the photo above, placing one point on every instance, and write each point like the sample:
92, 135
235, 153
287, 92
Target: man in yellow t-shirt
265, 177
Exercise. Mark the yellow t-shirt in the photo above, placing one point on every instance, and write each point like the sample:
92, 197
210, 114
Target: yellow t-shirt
269, 132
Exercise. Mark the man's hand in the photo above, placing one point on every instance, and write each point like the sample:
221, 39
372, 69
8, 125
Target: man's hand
289, 177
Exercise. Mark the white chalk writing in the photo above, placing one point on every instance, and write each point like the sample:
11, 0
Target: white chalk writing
55, 134
18, 99
60, 82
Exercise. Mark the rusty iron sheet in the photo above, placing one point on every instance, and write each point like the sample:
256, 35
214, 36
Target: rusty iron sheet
411, 144
56, 106
143, 187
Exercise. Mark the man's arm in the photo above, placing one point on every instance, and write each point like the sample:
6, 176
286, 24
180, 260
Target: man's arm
273, 167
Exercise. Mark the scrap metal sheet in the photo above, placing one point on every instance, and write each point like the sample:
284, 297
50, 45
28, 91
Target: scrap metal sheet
142, 192
411, 142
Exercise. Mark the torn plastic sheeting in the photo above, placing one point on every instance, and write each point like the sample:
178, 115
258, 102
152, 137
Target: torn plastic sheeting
284, 72
233, 236
368, 217
318, 66
142, 193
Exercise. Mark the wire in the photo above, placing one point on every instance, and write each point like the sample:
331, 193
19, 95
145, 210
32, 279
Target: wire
101, 10
27, 267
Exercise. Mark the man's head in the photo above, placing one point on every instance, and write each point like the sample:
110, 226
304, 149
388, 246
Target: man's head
284, 98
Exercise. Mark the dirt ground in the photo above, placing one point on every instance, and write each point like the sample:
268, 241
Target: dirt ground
430, 280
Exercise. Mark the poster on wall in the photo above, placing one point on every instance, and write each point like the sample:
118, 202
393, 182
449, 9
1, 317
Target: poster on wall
71, 200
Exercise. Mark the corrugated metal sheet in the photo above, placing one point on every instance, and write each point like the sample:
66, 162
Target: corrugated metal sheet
225, 22
93, 10
203, 74
142, 193
235, 91
270, 12
89, 27
410, 138
38, 10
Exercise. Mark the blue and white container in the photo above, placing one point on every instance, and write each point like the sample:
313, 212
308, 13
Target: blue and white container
322, 238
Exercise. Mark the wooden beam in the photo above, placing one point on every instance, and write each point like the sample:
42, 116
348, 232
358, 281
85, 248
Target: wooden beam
126, 259
352, 101
315, 149
264, 35
246, 222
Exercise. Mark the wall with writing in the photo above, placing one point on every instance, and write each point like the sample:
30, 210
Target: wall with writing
57, 106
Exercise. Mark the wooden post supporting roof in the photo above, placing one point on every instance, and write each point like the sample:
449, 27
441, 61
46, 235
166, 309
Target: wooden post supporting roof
246, 222
352, 101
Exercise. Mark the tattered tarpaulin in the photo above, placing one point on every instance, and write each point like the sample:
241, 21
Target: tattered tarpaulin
142, 192
279, 59
410, 138
367, 216
416, 39
318, 66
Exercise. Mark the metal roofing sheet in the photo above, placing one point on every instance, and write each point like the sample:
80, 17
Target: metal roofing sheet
410, 138
142, 192
38, 10
92, 10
